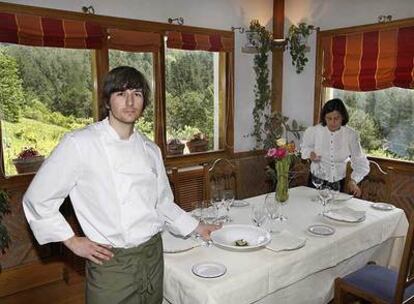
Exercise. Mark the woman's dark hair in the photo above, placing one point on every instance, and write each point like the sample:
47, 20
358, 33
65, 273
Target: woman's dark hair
124, 78
335, 104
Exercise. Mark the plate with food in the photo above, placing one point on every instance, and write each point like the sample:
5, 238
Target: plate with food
240, 237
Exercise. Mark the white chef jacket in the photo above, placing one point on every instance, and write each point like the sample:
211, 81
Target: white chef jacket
118, 188
336, 149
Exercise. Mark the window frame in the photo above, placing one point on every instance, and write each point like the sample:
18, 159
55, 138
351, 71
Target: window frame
100, 66
320, 90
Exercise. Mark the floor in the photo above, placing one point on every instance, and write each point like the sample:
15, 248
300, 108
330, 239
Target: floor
54, 293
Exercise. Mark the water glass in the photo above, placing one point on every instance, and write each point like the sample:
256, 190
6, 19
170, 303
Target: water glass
258, 214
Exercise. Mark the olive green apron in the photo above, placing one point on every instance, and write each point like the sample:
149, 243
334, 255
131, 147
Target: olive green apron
133, 275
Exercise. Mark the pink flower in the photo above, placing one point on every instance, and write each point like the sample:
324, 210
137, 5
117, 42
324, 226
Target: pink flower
280, 153
277, 153
271, 152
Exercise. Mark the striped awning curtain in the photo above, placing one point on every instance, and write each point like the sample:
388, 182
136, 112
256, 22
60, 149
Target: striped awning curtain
41, 31
369, 61
134, 41
201, 42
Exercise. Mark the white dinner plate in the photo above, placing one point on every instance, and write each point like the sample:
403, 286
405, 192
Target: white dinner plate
209, 269
238, 203
321, 230
383, 206
226, 237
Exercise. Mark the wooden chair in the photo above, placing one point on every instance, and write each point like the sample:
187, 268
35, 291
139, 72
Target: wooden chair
378, 284
376, 186
222, 172
299, 173
174, 183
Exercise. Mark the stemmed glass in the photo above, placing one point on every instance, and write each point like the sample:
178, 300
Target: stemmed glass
318, 177
228, 196
258, 214
325, 194
335, 189
272, 209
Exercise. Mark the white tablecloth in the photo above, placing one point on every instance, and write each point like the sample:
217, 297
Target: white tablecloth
264, 275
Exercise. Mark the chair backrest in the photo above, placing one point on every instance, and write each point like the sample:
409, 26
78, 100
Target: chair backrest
174, 183
299, 173
222, 172
405, 274
376, 186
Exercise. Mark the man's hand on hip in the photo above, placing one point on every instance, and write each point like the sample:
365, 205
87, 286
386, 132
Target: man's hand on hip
84, 247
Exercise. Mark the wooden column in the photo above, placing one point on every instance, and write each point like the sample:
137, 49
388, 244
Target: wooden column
277, 55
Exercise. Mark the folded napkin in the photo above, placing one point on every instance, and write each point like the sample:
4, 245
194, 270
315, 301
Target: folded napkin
346, 214
286, 240
173, 243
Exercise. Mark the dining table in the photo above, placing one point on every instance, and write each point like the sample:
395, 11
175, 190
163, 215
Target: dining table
278, 274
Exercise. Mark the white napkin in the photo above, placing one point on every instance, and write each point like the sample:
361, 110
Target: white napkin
340, 196
285, 240
172, 243
346, 214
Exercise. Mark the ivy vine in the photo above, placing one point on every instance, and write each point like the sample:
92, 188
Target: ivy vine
297, 36
262, 91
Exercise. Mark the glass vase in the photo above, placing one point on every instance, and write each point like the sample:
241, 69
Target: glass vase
282, 186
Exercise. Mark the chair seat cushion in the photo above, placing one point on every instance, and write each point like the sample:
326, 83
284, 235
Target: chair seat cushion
378, 281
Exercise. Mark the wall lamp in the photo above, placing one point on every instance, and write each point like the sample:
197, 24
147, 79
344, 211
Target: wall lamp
178, 20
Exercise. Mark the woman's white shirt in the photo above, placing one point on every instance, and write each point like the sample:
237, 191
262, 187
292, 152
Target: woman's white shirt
335, 149
119, 190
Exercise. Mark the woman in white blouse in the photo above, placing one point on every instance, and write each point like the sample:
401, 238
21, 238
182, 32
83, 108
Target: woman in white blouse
331, 144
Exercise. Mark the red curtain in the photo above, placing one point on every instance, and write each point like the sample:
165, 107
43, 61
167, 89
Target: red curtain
41, 31
202, 42
134, 41
367, 61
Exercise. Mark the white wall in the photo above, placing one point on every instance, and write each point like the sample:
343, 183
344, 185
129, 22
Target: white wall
218, 14
298, 90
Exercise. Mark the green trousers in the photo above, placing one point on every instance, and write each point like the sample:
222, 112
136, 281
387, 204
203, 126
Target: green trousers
133, 275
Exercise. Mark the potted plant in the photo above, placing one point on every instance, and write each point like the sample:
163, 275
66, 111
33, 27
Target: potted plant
197, 143
175, 147
297, 37
29, 160
4, 234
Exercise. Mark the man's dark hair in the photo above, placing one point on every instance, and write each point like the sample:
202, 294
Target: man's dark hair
335, 104
124, 78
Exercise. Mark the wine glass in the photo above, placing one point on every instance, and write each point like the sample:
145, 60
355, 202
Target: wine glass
318, 179
335, 189
272, 208
325, 194
217, 200
228, 196
258, 214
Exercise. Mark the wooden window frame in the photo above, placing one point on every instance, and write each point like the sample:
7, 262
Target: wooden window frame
100, 66
319, 96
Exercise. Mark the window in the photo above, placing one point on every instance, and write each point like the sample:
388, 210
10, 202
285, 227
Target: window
384, 120
46, 92
192, 99
370, 69
56, 85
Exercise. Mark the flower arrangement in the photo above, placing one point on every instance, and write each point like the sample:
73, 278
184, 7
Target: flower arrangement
282, 154
28, 160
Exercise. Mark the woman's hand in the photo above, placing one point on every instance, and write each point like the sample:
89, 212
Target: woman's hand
314, 157
355, 190
84, 247
204, 230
